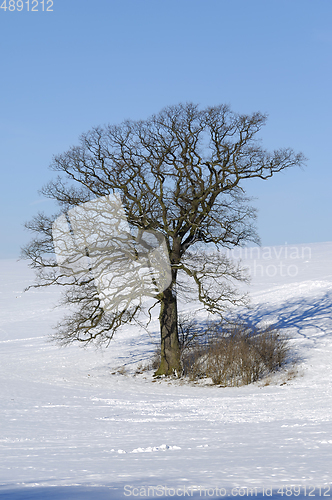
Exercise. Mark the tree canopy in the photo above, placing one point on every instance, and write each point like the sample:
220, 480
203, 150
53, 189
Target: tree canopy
179, 174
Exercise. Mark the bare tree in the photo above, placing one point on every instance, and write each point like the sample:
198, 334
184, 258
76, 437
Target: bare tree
179, 174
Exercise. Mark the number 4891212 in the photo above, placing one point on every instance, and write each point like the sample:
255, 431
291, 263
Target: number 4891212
29, 5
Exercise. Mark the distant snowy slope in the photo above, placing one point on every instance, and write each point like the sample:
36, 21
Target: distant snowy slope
71, 421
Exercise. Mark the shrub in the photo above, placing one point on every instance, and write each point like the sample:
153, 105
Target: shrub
233, 354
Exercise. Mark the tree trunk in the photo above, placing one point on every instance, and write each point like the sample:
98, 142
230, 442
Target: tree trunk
170, 348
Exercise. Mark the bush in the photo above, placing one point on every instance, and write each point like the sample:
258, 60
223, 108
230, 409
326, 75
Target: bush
233, 354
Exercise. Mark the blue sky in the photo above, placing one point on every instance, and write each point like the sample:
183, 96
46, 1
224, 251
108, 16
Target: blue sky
89, 63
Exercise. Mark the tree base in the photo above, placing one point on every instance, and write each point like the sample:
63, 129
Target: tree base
167, 370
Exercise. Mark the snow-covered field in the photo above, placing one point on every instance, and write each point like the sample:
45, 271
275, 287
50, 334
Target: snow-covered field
76, 423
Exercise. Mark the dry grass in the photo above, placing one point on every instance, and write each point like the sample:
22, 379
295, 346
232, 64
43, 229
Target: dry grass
152, 364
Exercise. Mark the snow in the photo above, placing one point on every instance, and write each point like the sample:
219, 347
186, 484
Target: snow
78, 423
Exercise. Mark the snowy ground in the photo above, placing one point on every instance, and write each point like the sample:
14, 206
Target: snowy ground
72, 426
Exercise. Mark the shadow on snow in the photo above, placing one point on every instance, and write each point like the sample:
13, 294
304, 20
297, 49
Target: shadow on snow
111, 493
309, 317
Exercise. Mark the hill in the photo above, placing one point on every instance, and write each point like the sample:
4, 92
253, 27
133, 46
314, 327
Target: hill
77, 423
